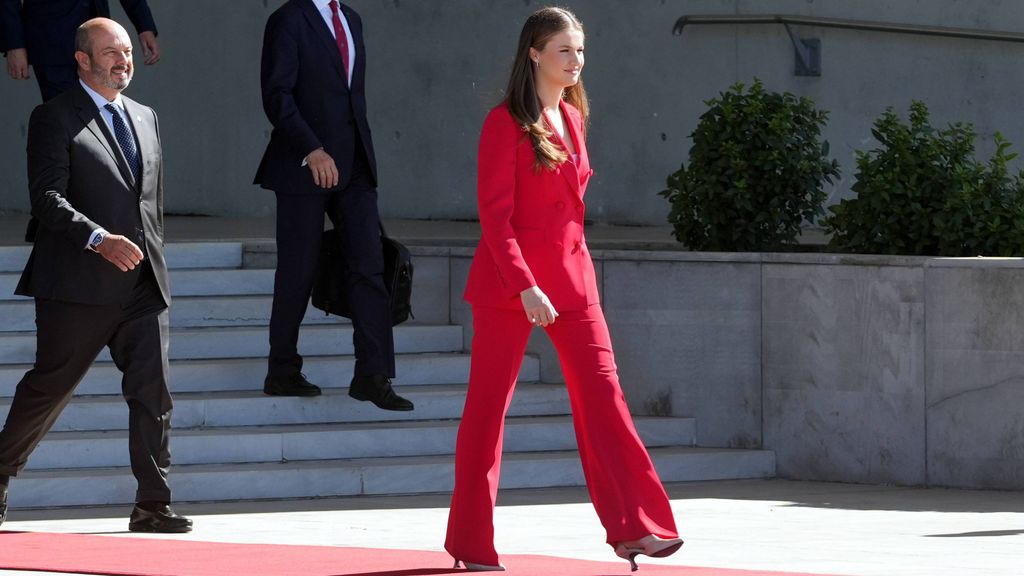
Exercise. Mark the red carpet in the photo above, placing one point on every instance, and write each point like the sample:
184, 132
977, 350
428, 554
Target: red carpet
156, 557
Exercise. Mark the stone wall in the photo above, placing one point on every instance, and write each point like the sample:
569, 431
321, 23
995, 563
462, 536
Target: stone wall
872, 369
437, 66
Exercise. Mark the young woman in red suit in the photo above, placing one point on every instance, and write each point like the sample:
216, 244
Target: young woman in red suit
532, 268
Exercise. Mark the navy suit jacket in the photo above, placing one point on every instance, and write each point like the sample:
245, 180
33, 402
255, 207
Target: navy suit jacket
308, 100
46, 28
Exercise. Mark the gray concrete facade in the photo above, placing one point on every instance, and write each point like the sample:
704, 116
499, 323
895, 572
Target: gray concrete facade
975, 376
437, 66
844, 357
869, 369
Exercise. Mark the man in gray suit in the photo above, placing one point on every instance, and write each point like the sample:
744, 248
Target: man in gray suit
97, 269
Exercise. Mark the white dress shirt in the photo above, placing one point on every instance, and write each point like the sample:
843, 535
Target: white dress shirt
108, 117
328, 16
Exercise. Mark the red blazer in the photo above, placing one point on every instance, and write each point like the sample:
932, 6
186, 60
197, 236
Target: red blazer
531, 222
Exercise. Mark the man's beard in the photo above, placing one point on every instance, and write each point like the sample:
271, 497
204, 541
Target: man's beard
106, 78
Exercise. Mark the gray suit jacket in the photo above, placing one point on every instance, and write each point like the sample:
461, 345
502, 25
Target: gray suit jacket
79, 181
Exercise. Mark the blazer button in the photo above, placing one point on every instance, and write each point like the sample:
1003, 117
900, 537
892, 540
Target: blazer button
560, 205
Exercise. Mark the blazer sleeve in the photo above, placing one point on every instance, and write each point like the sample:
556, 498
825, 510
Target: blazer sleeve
279, 74
496, 187
159, 183
49, 165
11, 34
141, 16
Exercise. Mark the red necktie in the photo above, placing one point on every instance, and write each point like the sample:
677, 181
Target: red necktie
339, 35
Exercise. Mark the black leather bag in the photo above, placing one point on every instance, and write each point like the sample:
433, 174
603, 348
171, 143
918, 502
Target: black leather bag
329, 288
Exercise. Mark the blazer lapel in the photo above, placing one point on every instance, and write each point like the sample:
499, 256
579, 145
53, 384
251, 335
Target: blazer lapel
569, 169
325, 37
98, 127
579, 139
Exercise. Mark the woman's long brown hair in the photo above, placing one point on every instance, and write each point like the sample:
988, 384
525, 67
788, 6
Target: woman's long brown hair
521, 94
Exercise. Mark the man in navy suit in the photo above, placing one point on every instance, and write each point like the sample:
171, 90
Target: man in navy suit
320, 161
41, 33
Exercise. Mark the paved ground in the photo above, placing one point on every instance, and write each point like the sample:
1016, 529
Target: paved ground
769, 525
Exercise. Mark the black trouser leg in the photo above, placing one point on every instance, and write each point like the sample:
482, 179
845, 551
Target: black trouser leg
300, 226
140, 350
354, 213
53, 80
68, 338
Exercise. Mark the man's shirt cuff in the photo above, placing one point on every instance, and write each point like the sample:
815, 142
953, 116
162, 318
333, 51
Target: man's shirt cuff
93, 237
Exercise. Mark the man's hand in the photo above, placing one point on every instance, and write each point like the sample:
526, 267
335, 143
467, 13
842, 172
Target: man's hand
120, 252
17, 64
150, 47
325, 172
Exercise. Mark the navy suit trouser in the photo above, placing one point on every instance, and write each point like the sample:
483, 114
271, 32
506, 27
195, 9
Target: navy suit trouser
300, 226
54, 80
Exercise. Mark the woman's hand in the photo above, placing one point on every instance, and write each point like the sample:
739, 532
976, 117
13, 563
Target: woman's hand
539, 310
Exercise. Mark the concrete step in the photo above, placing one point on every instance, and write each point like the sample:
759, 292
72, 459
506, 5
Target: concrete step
251, 342
188, 282
231, 442
247, 374
186, 312
217, 409
331, 441
363, 476
178, 255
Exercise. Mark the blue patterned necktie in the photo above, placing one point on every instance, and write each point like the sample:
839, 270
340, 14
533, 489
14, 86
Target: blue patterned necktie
125, 141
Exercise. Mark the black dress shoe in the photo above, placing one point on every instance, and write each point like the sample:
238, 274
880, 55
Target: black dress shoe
377, 389
3, 503
162, 520
289, 385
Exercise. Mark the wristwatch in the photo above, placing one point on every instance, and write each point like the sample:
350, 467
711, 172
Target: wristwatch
96, 240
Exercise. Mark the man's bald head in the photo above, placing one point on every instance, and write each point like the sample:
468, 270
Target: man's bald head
87, 32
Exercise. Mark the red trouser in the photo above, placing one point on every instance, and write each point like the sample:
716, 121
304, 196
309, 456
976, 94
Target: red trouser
623, 485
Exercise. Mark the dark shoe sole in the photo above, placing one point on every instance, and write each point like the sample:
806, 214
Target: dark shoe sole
301, 393
365, 398
146, 528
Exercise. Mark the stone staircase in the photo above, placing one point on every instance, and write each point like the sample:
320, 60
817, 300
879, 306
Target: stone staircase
230, 442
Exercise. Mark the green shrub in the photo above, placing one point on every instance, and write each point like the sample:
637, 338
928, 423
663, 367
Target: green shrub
923, 192
756, 171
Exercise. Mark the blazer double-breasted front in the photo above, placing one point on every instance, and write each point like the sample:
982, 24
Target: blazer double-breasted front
531, 219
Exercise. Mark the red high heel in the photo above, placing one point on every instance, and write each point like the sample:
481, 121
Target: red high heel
649, 545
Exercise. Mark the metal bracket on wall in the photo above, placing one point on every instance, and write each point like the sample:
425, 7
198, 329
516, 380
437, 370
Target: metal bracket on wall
807, 52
